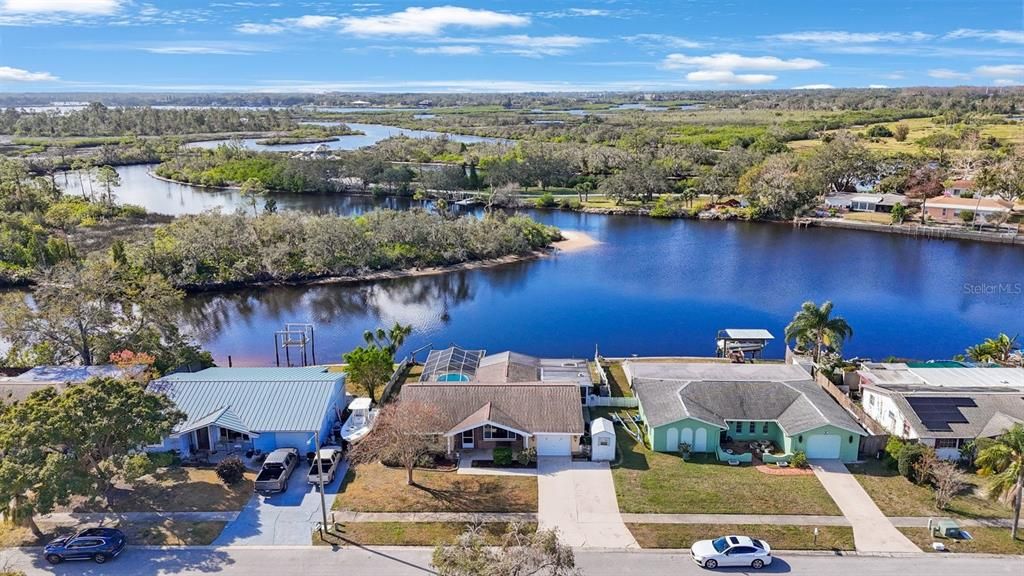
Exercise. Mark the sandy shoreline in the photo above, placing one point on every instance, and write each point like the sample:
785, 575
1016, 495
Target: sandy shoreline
575, 240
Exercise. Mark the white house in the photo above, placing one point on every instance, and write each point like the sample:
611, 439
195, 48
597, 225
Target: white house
602, 440
943, 406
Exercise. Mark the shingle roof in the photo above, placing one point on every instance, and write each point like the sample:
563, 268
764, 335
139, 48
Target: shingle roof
717, 393
991, 415
271, 404
533, 407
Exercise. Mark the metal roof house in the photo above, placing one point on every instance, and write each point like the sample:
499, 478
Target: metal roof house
705, 404
19, 387
229, 409
943, 407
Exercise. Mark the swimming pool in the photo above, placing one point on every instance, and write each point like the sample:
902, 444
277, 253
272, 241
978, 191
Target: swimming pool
453, 377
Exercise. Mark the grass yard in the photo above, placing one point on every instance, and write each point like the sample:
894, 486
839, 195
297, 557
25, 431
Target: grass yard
376, 488
679, 536
165, 533
177, 489
986, 541
872, 217
407, 533
617, 380
414, 374
652, 482
897, 496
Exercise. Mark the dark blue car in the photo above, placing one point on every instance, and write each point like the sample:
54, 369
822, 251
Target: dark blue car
96, 544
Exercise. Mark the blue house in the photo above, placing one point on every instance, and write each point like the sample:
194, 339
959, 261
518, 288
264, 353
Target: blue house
252, 408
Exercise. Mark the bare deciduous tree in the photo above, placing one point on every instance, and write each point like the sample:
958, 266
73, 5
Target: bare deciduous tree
522, 553
403, 432
948, 481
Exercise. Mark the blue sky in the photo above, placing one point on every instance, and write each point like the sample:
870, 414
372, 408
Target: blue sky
298, 46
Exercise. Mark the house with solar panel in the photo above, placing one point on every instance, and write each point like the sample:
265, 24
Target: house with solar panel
238, 410
504, 400
942, 405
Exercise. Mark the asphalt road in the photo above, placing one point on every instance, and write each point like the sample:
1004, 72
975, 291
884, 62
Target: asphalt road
322, 561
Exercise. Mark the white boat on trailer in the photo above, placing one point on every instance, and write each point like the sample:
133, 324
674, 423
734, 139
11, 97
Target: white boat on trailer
359, 422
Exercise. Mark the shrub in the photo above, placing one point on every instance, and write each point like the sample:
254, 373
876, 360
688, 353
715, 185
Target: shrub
799, 460
503, 456
879, 131
522, 457
893, 447
908, 457
137, 466
546, 200
662, 209
163, 459
569, 204
231, 470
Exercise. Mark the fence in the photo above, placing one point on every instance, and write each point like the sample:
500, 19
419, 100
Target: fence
397, 379
852, 407
613, 402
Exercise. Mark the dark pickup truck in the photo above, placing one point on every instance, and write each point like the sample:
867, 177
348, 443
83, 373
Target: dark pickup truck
278, 466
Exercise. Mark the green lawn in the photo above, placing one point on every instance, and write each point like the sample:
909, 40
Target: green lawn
408, 533
897, 496
985, 541
652, 482
617, 380
679, 536
376, 488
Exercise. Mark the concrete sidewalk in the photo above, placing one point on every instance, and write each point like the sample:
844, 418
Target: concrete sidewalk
798, 520
468, 517
872, 531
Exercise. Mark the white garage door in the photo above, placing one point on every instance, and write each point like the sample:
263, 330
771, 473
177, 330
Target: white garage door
554, 445
823, 446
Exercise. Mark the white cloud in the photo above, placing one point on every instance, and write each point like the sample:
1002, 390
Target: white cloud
70, 6
947, 74
8, 74
1002, 70
417, 21
187, 48
1007, 82
307, 22
528, 46
662, 41
255, 28
877, 86
730, 61
449, 50
843, 37
1003, 36
814, 87
729, 77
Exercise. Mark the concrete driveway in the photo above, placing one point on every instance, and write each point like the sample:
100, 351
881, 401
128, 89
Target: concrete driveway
284, 519
578, 498
872, 531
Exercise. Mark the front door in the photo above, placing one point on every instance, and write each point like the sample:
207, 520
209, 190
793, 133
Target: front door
203, 439
467, 440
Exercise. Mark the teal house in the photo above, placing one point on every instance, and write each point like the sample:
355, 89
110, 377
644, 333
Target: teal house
708, 405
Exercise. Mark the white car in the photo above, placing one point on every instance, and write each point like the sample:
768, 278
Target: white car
732, 551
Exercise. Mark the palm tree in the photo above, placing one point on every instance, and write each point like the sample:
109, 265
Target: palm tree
815, 325
998, 349
390, 340
1004, 458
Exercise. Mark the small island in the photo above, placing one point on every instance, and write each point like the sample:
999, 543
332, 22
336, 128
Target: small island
309, 135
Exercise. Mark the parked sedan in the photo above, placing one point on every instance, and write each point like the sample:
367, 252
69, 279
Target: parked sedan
96, 544
732, 551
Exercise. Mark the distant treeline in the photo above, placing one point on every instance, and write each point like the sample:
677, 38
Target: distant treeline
965, 99
99, 120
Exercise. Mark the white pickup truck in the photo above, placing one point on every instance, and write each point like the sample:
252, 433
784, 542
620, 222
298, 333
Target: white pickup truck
329, 458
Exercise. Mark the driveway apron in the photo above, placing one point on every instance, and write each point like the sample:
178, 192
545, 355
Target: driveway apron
284, 519
872, 531
578, 498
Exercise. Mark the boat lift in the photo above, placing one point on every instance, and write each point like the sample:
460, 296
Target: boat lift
740, 343
296, 335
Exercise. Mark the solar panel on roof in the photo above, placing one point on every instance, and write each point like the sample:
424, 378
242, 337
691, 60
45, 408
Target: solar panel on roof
938, 413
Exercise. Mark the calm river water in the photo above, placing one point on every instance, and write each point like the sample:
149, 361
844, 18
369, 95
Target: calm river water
652, 287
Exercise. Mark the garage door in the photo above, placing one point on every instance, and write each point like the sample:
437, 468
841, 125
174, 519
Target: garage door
554, 445
823, 446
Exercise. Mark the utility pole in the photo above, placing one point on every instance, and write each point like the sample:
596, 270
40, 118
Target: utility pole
320, 473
